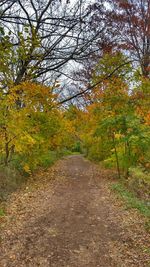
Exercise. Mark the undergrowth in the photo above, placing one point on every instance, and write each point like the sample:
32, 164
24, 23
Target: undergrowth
13, 176
131, 200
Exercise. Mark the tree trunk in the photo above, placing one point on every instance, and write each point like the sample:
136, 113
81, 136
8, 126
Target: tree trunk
116, 155
6, 150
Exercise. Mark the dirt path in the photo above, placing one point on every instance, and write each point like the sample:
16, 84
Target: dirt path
72, 221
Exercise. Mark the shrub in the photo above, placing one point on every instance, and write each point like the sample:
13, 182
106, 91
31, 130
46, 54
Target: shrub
139, 182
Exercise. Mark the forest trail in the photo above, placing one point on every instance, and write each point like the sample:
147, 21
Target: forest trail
72, 219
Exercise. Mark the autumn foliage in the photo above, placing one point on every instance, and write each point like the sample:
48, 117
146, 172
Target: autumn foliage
117, 129
109, 118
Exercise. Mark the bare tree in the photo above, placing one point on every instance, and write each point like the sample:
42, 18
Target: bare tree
46, 35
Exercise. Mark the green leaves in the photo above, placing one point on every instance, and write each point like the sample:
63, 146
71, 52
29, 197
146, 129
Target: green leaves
119, 119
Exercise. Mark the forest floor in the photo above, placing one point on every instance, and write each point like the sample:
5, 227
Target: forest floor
68, 216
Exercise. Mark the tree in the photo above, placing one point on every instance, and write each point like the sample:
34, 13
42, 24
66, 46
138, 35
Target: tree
117, 130
131, 21
127, 24
46, 36
31, 126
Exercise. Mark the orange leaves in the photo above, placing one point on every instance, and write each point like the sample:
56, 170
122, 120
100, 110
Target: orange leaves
30, 121
141, 99
32, 95
147, 119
